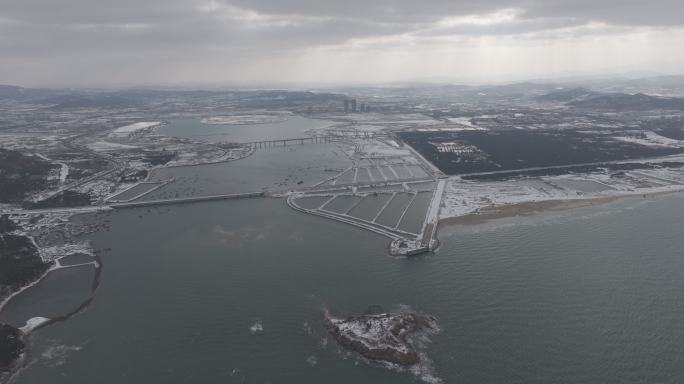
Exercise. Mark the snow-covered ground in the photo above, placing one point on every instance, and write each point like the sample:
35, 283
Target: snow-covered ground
126, 130
245, 119
63, 173
373, 331
106, 146
462, 120
377, 148
57, 251
463, 197
450, 129
33, 323
652, 139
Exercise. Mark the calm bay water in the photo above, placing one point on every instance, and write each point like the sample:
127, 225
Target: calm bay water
278, 168
585, 296
270, 169
292, 127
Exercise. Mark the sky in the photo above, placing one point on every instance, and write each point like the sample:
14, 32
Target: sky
259, 42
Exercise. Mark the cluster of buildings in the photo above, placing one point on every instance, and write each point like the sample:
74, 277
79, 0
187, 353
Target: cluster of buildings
350, 106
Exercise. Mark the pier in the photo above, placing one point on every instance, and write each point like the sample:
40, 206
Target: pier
429, 233
403, 242
154, 185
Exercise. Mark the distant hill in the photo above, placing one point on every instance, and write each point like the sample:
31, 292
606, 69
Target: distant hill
671, 86
565, 95
97, 100
585, 98
524, 89
623, 101
10, 91
657, 81
20, 93
64, 99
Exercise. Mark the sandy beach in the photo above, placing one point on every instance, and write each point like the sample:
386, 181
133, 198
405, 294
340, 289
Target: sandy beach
533, 207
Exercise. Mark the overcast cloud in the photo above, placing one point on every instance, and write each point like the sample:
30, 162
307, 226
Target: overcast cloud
177, 42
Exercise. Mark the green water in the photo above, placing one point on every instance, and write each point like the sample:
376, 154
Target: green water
585, 296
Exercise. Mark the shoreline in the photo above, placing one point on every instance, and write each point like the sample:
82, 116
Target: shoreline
531, 208
25, 358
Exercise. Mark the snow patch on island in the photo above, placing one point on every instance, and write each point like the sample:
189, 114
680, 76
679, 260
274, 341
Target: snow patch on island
395, 340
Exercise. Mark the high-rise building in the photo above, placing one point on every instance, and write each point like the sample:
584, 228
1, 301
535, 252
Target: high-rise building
353, 105
346, 106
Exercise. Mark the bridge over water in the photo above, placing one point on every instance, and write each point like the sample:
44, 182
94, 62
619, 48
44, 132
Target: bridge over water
292, 141
194, 199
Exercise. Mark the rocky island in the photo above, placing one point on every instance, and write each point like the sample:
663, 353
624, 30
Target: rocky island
382, 337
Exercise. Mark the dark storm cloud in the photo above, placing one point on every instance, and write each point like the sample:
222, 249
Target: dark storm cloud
31, 25
349, 18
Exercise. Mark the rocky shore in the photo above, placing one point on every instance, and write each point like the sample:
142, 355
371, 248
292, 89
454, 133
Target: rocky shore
381, 336
20, 263
12, 348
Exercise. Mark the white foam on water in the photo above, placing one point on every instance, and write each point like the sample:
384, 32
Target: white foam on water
312, 360
57, 355
307, 328
256, 328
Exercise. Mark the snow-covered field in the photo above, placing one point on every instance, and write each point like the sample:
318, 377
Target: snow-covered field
63, 172
652, 139
126, 130
106, 146
462, 120
464, 197
376, 148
